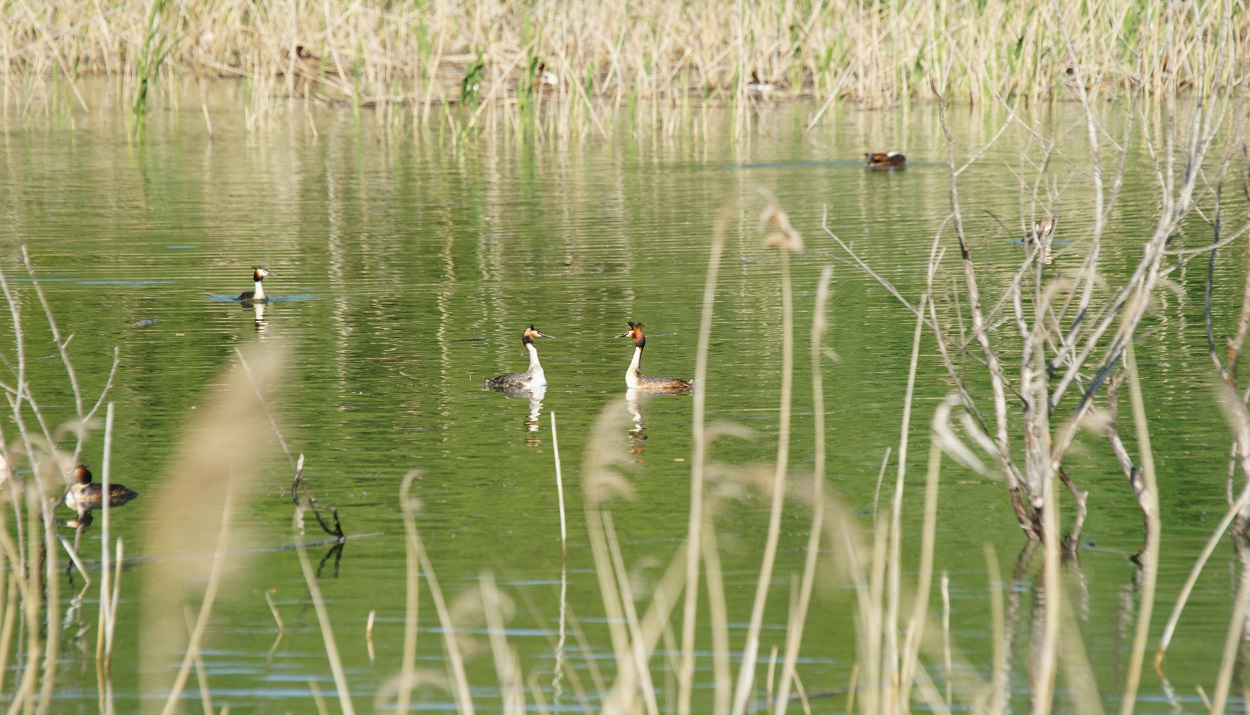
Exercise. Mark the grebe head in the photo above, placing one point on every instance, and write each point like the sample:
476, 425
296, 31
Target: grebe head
82, 475
528, 336
259, 273
635, 332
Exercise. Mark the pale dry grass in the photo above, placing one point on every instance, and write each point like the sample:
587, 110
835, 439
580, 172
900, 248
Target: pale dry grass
587, 64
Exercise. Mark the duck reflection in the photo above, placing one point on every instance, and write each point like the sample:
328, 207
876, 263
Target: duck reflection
535, 394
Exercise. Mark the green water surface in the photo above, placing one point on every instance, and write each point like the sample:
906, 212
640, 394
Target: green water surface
406, 268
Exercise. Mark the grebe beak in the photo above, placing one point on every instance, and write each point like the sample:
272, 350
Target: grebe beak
543, 335
625, 334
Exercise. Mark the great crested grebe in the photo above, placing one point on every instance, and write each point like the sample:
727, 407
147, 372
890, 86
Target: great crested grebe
1041, 232
635, 380
258, 275
84, 495
1040, 236
885, 159
531, 378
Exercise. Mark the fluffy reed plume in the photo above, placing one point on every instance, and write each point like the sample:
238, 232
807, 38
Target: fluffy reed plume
204, 487
571, 67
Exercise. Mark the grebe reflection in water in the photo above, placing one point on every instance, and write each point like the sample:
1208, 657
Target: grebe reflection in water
535, 396
637, 433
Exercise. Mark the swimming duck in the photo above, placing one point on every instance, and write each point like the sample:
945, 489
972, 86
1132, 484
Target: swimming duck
635, 380
257, 295
85, 495
1040, 236
885, 159
1041, 232
531, 378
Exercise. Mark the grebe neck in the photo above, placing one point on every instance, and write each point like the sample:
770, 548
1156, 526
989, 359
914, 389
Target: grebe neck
635, 369
259, 293
537, 376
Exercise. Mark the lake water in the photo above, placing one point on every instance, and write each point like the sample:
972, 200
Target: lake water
405, 270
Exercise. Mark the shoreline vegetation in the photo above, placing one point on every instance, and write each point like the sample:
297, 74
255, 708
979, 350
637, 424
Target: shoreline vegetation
591, 63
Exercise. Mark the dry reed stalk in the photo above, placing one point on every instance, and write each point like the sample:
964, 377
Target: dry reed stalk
555, 452
1150, 554
14, 589
37, 538
920, 608
104, 642
1232, 643
639, 652
206, 606
412, 592
794, 635
623, 690
62, 347
998, 695
507, 666
718, 620
1046, 654
1165, 640
327, 632
559, 667
460, 682
223, 447
946, 635
698, 457
588, 659
892, 668
787, 240
1078, 673
318, 699
201, 675
870, 591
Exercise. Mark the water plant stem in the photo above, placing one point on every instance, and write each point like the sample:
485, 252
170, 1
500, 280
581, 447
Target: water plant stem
555, 451
327, 633
750, 649
891, 663
698, 457
412, 593
794, 635
104, 644
1149, 557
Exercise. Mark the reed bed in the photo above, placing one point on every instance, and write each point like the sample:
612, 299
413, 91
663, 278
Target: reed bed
560, 68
